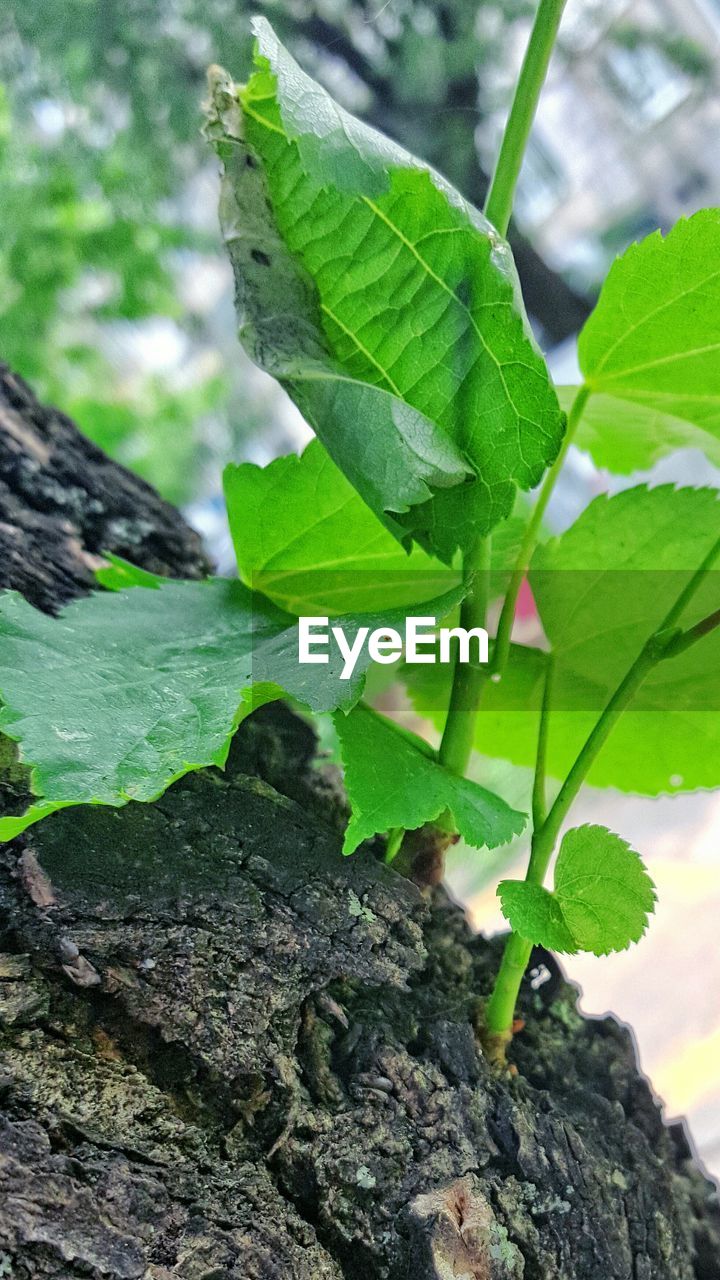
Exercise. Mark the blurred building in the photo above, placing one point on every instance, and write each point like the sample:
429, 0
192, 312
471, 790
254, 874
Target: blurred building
627, 136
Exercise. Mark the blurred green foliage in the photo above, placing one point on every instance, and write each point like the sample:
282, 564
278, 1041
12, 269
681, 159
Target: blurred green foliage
687, 55
109, 196
94, 159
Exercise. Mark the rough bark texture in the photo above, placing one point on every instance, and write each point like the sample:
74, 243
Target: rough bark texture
63, 502
227, 1051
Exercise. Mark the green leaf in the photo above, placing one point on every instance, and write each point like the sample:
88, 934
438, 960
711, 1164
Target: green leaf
536, 915
601, 590
386, 305
625, 436
654, 336
304, 537
605, 586
601, 902
393, 780
127, 691
648, 752
603, 889
119, 574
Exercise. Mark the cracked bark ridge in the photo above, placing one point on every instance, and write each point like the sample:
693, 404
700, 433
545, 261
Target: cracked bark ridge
63, 502
226, 1051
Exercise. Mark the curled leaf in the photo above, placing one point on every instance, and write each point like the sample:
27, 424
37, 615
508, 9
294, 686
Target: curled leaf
386, 305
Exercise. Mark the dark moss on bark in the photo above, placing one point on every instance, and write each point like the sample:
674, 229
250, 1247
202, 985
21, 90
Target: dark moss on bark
227, 1051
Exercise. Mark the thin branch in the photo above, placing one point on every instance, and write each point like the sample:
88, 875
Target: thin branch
679, 643
498, 206
503, 638
539, 799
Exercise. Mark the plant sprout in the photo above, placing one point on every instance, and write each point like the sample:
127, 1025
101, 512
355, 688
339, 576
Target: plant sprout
390, 311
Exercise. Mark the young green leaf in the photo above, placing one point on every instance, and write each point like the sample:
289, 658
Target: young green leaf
536, 915
601, 901
127, 691
393, 780
119, 574
386, 305
625, 436
604, 890
654, 336
304, 537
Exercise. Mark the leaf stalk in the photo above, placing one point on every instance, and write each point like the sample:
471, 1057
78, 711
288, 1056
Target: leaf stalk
667, 642
539, 799
468, 681
503, 638
499, 203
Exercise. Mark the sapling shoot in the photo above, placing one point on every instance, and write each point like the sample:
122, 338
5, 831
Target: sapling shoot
390, 311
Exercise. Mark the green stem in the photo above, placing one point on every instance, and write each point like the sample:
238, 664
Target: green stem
457, 740
500, 1008
458, 736
499, 203
687, 638
394, 840
503, 638
666, 643
544, 844
690, 588
539, 809
468, 680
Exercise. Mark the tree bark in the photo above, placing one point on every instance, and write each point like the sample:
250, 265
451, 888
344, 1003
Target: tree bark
227, 1051
63, 502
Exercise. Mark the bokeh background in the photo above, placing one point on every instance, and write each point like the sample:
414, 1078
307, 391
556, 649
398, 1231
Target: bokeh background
116, 303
